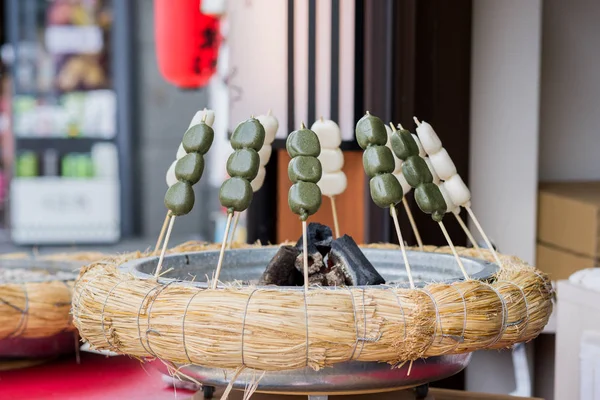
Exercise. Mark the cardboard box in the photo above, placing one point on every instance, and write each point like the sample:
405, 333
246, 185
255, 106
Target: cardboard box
560, 264
568, 234
569, 217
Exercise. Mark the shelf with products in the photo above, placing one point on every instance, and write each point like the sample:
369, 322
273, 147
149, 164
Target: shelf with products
67, 115
70, 68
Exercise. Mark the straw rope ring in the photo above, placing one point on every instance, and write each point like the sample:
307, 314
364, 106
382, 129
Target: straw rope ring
277, 328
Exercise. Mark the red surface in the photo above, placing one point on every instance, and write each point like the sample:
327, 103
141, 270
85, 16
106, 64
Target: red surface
96, 378
187, 42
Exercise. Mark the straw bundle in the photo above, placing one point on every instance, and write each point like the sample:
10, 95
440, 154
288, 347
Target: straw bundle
38, 309
277, 329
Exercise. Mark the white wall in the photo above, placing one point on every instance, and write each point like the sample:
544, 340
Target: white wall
504, 121
570, 112
503, 172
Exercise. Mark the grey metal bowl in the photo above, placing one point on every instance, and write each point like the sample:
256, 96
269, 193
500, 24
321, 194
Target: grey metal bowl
246, 265
59, 344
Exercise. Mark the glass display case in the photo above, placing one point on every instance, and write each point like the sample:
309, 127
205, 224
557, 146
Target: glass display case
70, 121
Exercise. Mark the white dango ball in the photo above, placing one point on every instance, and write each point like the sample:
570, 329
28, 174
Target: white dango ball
332, 160
171, 178
180, 152
405, 186
259, 180
450, 206
389, 132
328, 132
333, 184
443, 164
436, 178
199, 116
429, 139
422, 151
459, 192
398, 162
265, 154
271, 125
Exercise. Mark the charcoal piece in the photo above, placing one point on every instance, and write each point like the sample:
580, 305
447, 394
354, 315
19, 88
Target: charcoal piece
281, 270
317, 279
315, 261
319, 236
357, 269
335, 277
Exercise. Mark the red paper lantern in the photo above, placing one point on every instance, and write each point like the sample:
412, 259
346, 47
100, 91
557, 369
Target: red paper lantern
187, 42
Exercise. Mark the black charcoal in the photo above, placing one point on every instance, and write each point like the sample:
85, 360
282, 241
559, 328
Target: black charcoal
317, 279
315, 260
319, 236
335, 277
358, 271
281, 270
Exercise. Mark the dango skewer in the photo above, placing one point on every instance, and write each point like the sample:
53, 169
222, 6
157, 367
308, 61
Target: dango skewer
179, 198
305, 171
457, 190
207, 116
379, 164
333, 182
271, 125
450, 206
242, 166
428, 195
405, 187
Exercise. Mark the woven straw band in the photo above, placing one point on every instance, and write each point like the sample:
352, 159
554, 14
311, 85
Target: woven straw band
277, 329
38, 309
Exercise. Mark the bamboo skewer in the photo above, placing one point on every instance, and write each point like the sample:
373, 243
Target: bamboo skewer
161, 235
305, 255
402, 248
456, 256
336, 226
469, 234
485, 237
413, 224
222, 253
232, 236
164, 248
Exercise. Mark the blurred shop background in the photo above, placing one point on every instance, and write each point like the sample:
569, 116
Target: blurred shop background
96, 95
89, 126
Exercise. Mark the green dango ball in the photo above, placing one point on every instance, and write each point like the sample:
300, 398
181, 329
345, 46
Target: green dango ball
189, 168
305, 168
378, 160
243, 163
430, 200
385, 190
416, 172
249, 134
198, 138
404, 144
303, 142
304, 199
370, 130
235, 194
180, 198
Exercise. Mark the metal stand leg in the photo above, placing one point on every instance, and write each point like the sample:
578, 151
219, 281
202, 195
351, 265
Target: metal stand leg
208, 391
318, 397
422, 391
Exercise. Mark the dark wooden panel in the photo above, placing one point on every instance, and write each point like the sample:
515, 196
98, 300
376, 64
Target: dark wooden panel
431, 63
377, 94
